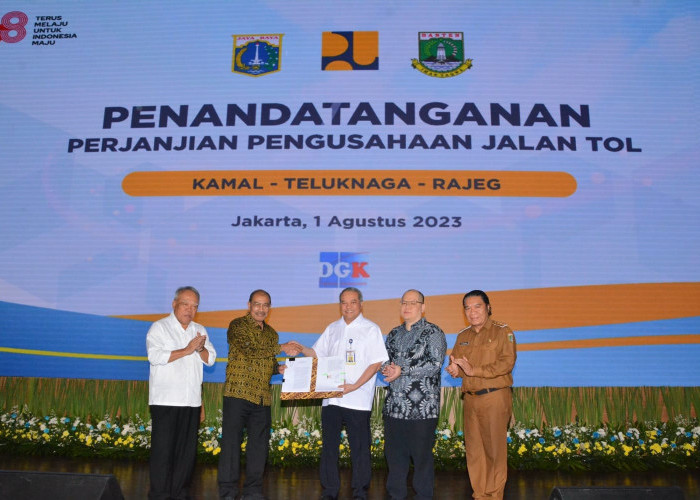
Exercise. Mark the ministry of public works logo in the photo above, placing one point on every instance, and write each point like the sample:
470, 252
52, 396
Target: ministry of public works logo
441, 54
257, 55
343, 269
349, 50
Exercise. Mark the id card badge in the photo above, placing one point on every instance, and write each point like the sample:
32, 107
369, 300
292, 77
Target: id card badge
350, 354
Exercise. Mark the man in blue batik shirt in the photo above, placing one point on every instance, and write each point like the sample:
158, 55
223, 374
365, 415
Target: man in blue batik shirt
416, 352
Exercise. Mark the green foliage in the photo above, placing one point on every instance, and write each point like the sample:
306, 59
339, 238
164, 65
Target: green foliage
91, 399
557, 428
642, 446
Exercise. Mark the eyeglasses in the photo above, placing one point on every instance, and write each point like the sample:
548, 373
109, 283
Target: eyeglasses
410, 303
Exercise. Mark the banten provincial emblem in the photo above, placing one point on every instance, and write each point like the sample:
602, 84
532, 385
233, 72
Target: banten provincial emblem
256, 55
441, 54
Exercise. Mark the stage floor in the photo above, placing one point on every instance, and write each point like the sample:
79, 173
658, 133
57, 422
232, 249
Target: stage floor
302, 484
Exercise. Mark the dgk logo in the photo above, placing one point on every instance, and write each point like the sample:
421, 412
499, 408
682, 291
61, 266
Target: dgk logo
349, 50
342, 269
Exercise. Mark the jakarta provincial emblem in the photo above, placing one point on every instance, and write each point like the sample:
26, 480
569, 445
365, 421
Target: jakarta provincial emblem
441, 54
256, 55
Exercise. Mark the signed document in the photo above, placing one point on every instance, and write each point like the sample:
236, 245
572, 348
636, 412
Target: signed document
297, 376
312, 378
330, 373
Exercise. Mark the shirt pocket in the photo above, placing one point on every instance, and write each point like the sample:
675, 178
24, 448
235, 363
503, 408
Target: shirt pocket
489, 352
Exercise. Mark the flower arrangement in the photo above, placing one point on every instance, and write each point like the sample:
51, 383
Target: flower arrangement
673, 445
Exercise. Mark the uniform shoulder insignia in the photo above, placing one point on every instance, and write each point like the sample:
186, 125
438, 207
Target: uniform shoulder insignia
464, 329
499, 324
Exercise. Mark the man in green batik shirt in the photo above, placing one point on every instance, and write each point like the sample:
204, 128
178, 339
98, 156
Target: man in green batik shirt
253, 347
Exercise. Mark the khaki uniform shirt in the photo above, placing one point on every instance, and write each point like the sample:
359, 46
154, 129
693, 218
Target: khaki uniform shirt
491, 352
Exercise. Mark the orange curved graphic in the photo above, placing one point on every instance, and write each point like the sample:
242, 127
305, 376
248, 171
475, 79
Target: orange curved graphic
608, 342
523, 310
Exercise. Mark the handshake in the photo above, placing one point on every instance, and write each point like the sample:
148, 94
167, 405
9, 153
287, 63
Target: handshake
293, 348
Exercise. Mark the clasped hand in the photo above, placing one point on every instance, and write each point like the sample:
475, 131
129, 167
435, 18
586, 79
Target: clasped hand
391, 372
456, 364
197, 343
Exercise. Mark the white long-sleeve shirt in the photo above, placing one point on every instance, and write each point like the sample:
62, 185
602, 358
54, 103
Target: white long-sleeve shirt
178, 383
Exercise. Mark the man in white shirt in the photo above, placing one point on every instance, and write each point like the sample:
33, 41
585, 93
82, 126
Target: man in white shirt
177, 348
361, 344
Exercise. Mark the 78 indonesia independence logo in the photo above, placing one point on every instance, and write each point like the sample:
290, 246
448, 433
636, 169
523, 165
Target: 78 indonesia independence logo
441, 54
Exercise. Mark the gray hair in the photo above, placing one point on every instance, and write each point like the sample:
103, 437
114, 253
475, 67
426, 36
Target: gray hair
186, 289
350, 289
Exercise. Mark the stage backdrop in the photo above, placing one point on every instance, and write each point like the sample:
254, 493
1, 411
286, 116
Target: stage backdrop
546, 152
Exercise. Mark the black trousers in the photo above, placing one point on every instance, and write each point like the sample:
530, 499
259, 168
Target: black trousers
239, 414
173, 450
406, 440
359, 437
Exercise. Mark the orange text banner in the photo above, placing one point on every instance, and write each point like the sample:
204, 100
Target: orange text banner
349, 183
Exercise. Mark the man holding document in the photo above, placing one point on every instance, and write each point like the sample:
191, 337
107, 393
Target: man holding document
360, 345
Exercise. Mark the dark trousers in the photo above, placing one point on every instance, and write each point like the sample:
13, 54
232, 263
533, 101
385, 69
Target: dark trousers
406, 440
357, 424
173, 450
240, 414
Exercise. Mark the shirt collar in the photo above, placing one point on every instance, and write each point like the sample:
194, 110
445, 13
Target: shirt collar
486, 326
420, 322
356, 320
174, 322
249, 319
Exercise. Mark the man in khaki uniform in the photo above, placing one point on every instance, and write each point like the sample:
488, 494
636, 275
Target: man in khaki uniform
483, 357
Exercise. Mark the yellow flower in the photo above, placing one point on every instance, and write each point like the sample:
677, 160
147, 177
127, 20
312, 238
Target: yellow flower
65, 434
655, 449
626, 449
522, 449
217, 451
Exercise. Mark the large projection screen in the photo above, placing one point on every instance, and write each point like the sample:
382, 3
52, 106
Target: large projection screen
545, 152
